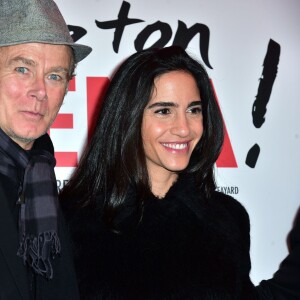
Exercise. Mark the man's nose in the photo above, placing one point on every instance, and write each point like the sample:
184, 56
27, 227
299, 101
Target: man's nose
38, 88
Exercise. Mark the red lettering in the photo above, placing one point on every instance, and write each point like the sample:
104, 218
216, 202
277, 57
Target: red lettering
226, 158
65, 159
96, 87
72, 85
63, 121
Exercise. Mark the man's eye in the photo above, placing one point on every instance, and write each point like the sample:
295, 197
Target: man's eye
22, 70
55, 77
163, 111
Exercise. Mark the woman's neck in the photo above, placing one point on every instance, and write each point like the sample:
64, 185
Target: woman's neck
161, 183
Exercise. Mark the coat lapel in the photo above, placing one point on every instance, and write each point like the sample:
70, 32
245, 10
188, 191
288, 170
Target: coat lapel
8, 247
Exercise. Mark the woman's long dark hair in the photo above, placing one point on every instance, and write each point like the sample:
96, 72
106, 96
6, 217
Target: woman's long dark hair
115, 158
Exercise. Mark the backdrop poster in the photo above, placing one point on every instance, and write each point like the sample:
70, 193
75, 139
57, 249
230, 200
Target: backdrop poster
251, 52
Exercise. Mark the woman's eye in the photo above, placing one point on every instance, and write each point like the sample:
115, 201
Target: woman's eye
195, 110
163, 111
22, 70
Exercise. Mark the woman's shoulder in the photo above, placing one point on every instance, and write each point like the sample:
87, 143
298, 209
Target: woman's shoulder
228, 202
232, 206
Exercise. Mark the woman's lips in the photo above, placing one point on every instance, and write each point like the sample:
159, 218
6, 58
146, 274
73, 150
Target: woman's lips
176, 147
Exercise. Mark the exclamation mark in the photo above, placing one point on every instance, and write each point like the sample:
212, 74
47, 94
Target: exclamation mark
259, 107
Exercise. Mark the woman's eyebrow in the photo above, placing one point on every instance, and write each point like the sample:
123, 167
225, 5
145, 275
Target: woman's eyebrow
172, 104
195, 103
164, 104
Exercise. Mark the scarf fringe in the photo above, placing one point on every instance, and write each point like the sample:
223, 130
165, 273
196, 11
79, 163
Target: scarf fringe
38, 251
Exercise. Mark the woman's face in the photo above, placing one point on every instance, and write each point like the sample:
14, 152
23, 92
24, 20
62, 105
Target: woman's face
172, 123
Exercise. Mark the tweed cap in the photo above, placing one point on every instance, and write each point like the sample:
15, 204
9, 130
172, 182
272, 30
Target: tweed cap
36, 21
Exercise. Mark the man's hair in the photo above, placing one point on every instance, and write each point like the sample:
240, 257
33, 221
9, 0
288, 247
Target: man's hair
115, 158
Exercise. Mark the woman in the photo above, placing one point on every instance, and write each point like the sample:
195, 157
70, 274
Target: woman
142, 209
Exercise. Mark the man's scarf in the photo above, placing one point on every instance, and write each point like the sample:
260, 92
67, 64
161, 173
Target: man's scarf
33, 172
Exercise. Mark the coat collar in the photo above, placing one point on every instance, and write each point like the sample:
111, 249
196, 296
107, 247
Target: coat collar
9, 243
185, 190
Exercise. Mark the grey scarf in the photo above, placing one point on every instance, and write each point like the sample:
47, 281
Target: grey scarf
33, 171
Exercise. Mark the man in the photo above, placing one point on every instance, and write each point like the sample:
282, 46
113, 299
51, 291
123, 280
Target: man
285, 284
37, 60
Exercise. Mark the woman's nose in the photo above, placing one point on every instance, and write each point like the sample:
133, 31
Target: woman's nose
181, 126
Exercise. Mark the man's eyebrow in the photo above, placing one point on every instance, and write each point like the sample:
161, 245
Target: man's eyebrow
164, 104
59, 70
32, 63
24, 60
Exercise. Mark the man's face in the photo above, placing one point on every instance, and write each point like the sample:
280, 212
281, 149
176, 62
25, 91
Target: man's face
33, 83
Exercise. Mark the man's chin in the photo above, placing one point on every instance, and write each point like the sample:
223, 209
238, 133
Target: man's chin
24, 141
